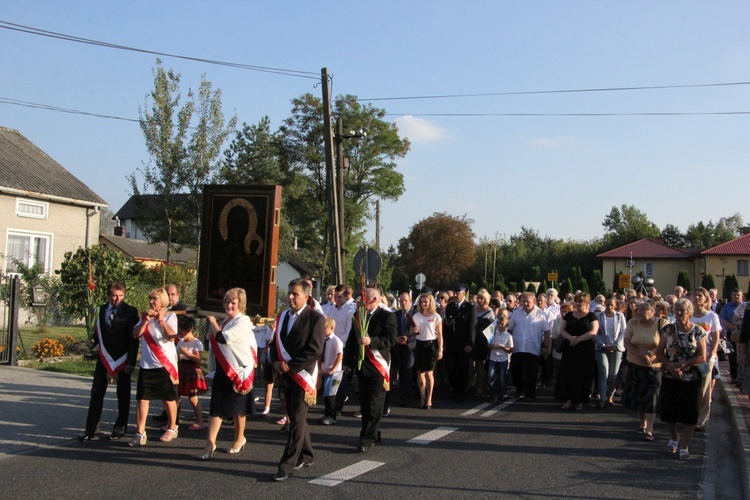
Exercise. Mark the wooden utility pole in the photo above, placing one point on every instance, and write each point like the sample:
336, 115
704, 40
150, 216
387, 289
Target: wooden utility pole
337, 267
340, 191
377, 225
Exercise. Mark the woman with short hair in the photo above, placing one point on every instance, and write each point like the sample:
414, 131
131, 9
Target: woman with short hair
608, 351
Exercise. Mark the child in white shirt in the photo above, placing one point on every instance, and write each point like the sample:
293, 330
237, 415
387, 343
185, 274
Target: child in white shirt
330, 367
501, 345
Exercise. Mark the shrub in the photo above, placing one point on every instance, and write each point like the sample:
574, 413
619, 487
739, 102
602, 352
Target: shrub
48, 348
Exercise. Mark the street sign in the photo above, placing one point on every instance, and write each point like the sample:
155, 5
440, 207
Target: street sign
368, 261
421, 279
624, 281
551, 276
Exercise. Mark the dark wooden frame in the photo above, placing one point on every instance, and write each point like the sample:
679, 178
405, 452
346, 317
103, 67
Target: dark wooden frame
239, 246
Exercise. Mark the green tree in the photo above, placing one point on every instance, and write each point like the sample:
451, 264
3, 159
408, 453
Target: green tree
597, 283
183, 142
706, 235
585, 286
107, 265
673, 237
627, 224
707, 281
455, 239
730, 283
531, 287
683, 279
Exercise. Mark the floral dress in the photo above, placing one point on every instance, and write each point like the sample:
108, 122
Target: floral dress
679, 397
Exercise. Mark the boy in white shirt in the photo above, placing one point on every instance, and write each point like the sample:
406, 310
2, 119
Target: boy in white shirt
501, 345
330, 367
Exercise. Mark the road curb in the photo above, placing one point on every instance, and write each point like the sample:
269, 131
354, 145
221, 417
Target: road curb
740, 431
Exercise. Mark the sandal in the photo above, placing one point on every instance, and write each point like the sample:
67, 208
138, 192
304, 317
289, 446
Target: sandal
196, 427
684, 454
567, 406
648, 436
672, 446
138, 440
641, 431
169, 435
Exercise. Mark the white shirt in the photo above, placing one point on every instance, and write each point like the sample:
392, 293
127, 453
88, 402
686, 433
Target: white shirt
528, 330
504, 339
343, 316
331, 349
427, 325
148, 360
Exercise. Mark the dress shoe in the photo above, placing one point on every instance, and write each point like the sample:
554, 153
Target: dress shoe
233, 451
117, 433
280, 476
364, 448
284, 429
357, 414
327, 420
303, 465
89, 437
207, 454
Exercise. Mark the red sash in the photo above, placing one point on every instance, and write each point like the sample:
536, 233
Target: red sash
157, 351
380, 364
241, 385
303, 378
113, 366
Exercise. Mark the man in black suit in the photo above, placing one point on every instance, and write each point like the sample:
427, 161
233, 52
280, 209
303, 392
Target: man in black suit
294, 352
117, 356
404, 349
458, 341
373, 375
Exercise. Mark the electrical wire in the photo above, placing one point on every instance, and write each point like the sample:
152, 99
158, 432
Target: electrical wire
48, 107
61, 36
564, 91
698, 113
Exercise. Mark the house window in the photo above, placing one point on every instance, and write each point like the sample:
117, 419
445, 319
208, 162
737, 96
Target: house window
742, 268
648, 269
28, 249
32, 208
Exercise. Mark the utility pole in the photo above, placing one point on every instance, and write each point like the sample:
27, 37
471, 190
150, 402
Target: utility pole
340, 191
377, 225
331, 191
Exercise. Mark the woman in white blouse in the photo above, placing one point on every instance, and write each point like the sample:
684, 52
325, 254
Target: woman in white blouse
609, 347
428, 328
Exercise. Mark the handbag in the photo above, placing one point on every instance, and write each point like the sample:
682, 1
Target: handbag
561, 344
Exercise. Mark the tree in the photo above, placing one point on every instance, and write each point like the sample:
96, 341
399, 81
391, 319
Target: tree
683, 279
597, 283
673, 237
181, 161
707, 281
371, 174
626, 225
730, 283
706, 235
455, 239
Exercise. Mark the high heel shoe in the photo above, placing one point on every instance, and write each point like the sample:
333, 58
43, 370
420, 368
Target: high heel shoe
138, 440
232, 451
169, 435
206, 454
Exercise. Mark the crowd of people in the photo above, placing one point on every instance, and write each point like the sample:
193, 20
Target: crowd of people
659, 353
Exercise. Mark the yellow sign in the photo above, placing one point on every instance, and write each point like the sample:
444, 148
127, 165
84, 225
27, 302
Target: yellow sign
551, 276
624, 281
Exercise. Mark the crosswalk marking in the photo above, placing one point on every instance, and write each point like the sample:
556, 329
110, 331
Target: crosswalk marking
347, 473
476, 409
432, 435
498, 408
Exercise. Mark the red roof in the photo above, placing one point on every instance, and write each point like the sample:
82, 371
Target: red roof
739, 246
647, 248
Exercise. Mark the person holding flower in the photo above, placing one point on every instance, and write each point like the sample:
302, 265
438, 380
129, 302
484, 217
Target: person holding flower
368, 350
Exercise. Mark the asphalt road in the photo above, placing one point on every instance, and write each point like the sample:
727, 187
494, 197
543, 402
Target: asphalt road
531, 450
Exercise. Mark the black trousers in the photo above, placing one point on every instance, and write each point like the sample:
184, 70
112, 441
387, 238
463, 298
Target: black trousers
405, 372
372, 399
298, 444
524, 367
457, 369
99, 389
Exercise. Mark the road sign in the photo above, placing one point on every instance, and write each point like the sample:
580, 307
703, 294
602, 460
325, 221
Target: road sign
368, 261
624, 281
552, 276
421, 279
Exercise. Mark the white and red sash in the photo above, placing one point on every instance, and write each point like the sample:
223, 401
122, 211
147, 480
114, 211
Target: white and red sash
113, 366
158, 352
303, 378
380, 364
241, 376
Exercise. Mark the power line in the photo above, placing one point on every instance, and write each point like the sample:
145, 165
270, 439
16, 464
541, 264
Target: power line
564, 91
698, 113
49, 107
70, 38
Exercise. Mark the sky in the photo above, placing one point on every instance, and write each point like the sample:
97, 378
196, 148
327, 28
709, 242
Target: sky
555, 162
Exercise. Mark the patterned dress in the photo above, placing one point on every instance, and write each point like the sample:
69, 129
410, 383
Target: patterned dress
679, 396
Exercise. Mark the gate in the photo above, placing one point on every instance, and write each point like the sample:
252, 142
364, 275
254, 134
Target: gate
10, 294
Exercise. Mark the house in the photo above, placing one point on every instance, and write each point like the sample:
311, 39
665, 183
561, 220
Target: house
127, 216
655, 260
150, 255
728, 258
45, 210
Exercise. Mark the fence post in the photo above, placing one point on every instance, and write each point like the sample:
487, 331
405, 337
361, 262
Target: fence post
13, 310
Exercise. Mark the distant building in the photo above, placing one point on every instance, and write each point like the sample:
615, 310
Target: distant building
128, 215
728, 258
148, 254
45, 211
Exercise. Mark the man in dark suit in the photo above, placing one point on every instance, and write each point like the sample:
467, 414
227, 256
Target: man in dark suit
458, 341
294, 352
117, 356
373, 375
404, 349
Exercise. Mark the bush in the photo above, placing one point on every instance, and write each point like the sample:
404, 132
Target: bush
48, 348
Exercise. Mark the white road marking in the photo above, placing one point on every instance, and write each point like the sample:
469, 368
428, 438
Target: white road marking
498, 408
476, 409
432, 435
347, 473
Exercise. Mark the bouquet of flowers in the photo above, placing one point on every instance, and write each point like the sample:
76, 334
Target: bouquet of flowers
362, 320
91, 308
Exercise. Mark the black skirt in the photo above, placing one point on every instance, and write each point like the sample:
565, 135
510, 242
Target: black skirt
641, 392
679, 401
225, 403
155, 384
425, 355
